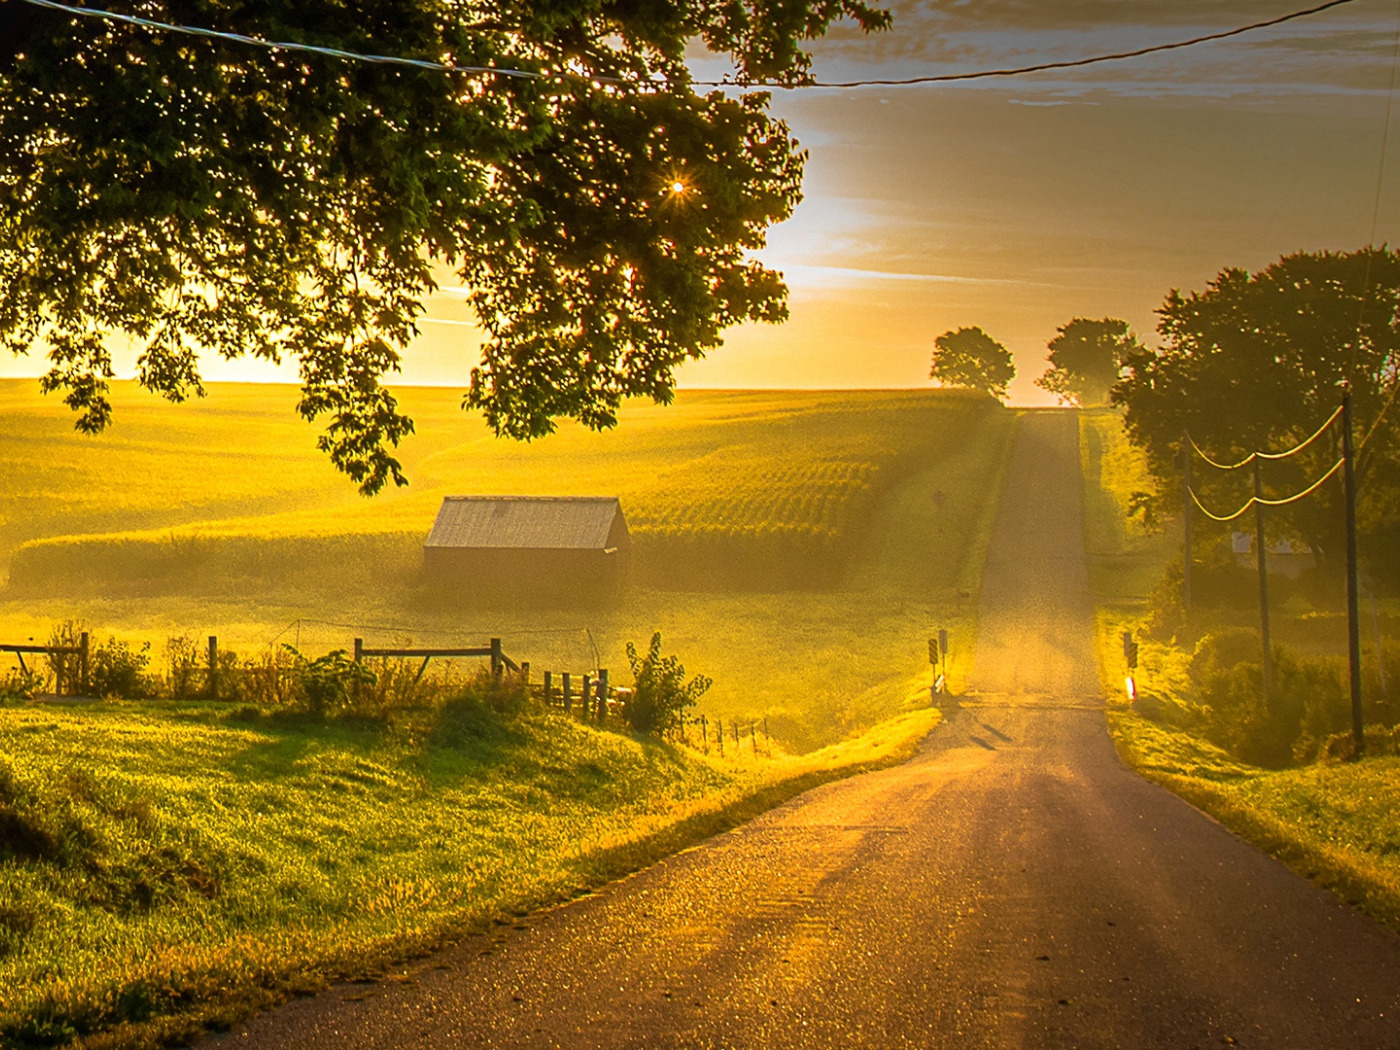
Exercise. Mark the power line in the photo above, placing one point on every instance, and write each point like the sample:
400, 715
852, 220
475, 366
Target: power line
1261, 501
443, 67
1015, 71
1265, 455
280, 45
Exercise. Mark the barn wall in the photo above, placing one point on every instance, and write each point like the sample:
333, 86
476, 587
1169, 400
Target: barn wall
526, 573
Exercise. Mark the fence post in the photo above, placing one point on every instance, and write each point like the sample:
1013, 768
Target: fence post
548, 688
586, 695
83, 663
525, 676
705, 734
568, 700
496, 662
359, 649
602, 693
719, 734
213, 667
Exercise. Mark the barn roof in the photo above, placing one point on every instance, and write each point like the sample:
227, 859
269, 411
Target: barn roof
532, 522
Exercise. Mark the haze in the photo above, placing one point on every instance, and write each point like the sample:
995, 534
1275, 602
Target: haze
1016, 204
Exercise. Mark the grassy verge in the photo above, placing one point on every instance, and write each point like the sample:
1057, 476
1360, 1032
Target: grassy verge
1337, 824
167, 871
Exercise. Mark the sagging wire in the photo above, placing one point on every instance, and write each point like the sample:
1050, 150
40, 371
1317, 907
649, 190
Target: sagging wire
1261, 501
443, 67
1266, 455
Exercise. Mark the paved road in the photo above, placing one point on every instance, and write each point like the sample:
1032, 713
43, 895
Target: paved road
1012, 886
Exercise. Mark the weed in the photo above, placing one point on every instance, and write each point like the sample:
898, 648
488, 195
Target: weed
661, 694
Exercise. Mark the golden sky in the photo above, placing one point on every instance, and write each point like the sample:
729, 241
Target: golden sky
1017, 204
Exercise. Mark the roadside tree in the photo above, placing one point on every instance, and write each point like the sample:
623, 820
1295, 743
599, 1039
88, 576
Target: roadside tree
1086, 359
199, 195
1256, 361
972, 359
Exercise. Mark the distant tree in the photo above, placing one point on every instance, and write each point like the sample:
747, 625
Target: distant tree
197, 195
1256, 362
1086, 358
970, 358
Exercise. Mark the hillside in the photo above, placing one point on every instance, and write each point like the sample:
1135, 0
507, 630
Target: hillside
796, 546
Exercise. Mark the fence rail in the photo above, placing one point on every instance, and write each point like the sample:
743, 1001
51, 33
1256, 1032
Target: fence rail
80, 651
590, 693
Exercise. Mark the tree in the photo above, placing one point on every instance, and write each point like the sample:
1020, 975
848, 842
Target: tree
661, 694
1256, 361
200, 195
1086, 359
970, 358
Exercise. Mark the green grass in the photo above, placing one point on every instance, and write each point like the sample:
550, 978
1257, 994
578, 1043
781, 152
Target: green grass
915, 480
169, 868
1338, 824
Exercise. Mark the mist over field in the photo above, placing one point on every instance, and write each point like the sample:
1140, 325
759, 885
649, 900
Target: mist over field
798, 548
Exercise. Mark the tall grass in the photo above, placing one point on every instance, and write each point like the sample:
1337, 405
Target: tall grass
190, 868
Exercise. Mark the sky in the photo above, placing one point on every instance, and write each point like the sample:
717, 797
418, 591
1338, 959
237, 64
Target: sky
1017, 204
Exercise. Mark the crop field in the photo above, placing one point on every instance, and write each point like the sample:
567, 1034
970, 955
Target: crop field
798, 547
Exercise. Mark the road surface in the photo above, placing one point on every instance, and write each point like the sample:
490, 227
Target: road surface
1014, 885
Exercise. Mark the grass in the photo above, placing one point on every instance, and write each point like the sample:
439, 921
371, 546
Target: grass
910, 479
1337, 824
166, 869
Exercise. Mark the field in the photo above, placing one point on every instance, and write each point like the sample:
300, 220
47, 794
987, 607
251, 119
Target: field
169, 867
796, 547
1334, 822
172, 864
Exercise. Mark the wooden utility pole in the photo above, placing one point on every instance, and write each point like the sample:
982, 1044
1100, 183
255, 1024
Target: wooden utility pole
1358, 731
1186, 544
1263, 561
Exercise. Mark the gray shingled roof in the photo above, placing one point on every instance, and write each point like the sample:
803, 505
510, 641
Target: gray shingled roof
535, 522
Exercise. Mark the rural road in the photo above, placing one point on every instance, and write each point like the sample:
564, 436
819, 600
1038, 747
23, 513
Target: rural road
1014, 885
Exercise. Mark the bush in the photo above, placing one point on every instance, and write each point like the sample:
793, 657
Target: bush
1308, 701
21, 685
329, 684
117, 670
1380, 740
661, 693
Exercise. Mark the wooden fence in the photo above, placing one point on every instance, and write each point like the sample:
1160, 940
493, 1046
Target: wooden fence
591, 693
77, 683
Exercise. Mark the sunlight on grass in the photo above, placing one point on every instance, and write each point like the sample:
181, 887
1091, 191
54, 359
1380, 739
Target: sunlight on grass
192, 864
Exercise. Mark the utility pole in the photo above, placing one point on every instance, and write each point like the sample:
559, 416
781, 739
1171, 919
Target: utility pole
1186, 545
1358, 731
1263, 562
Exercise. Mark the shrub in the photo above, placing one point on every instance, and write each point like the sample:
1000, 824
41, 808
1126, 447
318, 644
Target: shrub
21, 685
66, 668
115, 669
1307, 701
661, 693
187, 677
329, 684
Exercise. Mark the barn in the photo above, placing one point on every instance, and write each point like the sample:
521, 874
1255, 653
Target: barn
529, 546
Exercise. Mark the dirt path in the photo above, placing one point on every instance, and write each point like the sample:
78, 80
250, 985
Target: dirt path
1012, 886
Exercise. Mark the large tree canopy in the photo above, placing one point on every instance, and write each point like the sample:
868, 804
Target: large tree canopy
1256, 361
1086, 359
970, 358
199, 195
